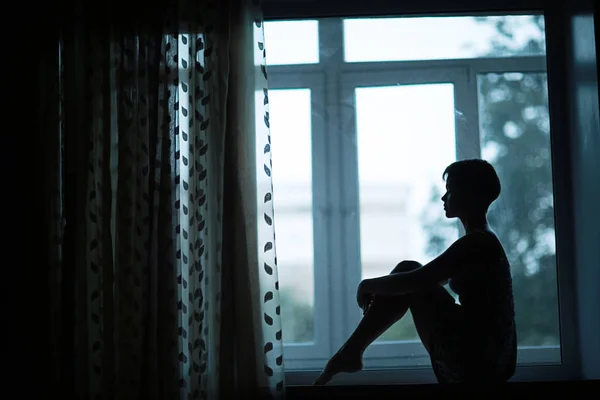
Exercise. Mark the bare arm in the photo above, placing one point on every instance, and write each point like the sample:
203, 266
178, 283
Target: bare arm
461, 253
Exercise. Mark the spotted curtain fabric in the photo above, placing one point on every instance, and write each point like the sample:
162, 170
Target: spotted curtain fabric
163, 243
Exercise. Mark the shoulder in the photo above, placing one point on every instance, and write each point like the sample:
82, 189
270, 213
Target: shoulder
477, 246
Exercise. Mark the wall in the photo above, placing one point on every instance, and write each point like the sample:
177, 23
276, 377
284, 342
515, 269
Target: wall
585, 129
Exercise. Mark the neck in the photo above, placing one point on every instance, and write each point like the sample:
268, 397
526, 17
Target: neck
475, 223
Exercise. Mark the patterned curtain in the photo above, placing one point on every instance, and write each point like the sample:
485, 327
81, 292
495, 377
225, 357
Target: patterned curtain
164, 281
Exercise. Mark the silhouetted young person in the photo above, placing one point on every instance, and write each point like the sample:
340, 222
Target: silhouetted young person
474, 341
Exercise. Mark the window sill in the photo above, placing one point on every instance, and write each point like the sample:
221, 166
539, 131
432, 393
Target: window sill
523, 374
509, 390
535, 363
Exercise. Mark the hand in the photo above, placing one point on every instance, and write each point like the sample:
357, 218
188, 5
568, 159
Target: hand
363, 295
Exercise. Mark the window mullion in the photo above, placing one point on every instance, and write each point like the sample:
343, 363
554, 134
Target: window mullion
331, 59
352, 273
466, 109
322, 219
466, 114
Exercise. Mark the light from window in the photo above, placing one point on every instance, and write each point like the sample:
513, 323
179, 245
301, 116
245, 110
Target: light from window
405, 140
290, 129
515, 138
290, 42
438, 38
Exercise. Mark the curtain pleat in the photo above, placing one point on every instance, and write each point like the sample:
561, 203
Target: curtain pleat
165, 278
249, 238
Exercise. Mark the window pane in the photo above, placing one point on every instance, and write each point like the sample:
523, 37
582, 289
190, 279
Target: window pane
290, 122
291, 42
515, 135
402, 152
429, 38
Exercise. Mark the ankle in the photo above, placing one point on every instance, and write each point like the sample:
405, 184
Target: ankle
352, 350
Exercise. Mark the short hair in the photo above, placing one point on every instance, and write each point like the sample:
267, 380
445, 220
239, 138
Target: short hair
475, 177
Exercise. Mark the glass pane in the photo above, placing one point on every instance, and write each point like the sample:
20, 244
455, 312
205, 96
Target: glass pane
291, 42
290, 122
402, 153
515, 136
429, 38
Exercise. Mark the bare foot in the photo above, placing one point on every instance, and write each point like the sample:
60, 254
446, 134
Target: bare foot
344, 360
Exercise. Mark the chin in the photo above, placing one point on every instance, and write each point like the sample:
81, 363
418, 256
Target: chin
448, 214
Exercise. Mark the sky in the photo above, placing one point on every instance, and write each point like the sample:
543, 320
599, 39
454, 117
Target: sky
392, 39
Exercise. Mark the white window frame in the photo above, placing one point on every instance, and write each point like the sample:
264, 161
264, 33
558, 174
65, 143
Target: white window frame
337, 269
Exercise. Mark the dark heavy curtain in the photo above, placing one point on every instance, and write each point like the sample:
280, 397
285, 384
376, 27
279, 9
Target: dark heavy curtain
163, 277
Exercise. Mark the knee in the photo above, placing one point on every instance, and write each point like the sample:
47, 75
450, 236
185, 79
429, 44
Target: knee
406, 266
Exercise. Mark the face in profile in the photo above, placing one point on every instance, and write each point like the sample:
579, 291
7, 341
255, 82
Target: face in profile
457, 203
451, 201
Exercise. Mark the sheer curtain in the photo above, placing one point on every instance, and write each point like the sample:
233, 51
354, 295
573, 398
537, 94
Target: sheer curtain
164, 282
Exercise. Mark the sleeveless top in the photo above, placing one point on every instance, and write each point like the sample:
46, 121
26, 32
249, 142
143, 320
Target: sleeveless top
486, 297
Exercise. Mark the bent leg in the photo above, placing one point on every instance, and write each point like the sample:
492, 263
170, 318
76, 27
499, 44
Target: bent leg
382, 312
434, 310
440, 325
